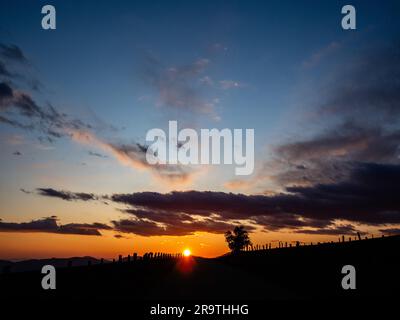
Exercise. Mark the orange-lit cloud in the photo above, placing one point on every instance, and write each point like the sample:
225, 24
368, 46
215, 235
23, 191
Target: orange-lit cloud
134, 155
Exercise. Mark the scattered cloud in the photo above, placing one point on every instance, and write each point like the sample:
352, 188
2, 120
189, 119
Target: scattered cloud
96, 154
12, 52
4, 71
239, 184
14, 66
336, 230
317, 56
368, 196
229, 84
347, 141
218, 47
347, 172
144, 227
119, 236
134, 155
177, 86
359, 108
66, 195
25, 191
206, 80
23, 112
50, 225
368, 90
19, 109
15, 139
328, 156
391, 231
183, 87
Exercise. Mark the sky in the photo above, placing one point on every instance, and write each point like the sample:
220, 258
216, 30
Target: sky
76, 104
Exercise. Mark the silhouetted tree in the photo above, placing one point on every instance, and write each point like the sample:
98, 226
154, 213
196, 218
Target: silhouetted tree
238, 239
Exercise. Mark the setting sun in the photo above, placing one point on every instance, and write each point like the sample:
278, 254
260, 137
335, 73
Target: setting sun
186, 252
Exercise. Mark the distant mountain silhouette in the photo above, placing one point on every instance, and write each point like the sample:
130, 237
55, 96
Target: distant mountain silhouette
37, 264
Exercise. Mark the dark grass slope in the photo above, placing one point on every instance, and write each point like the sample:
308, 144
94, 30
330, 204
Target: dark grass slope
298, 273
36, 264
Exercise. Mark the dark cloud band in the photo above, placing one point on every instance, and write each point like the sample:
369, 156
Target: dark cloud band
367, 196
50, 225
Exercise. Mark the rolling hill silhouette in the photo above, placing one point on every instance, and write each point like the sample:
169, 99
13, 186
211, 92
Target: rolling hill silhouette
297, 273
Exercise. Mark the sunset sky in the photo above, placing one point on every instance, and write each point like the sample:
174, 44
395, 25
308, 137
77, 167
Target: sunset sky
76, 104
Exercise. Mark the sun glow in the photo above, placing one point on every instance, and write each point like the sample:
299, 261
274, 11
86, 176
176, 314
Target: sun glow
186, 252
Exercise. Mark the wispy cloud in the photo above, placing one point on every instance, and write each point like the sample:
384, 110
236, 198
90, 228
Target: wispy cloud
151, 228
347, 229
391, 231
229, 84
361, 103
134, 155
359, 199
23, 112
323, 52
19, 109
66, 195
4, 70
50, 225
12, 52
96, 154
239, 184
178, 86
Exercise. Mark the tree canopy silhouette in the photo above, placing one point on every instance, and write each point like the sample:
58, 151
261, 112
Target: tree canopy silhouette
238, 239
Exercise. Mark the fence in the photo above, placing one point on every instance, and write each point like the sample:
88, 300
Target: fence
280, 244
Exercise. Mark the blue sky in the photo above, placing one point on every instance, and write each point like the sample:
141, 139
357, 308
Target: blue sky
266, 43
